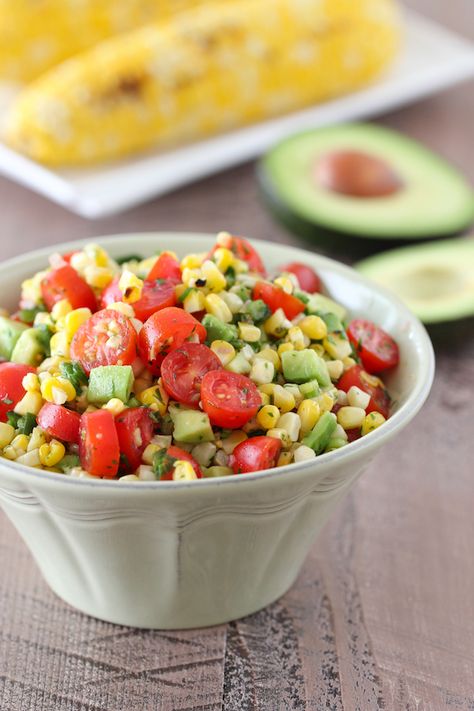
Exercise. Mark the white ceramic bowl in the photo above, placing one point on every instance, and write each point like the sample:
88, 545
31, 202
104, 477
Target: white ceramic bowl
178, 555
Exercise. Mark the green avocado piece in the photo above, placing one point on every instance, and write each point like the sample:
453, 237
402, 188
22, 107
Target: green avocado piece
433, 199
302, 366
109, 381
217, 330
321, 304
435, 280
320, 436
191, 426
10, 332
239, 364
30, 348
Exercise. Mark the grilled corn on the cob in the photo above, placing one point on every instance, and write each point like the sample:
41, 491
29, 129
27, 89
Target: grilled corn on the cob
209, 69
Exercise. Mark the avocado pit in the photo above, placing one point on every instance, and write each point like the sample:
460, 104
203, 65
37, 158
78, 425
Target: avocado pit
356, 174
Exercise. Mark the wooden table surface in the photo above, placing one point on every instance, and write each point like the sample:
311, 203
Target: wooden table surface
382, 616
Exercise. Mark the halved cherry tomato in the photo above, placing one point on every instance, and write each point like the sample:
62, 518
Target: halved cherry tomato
134, 430
307, 277
379, 398
180, 454
60, 422
11, 389
65, 283
243, 250
165, 331
275, 298
165, 267
255, 454
99, 449
183, 370
378, 351
68, 256
230, 399
155, 296
108, 338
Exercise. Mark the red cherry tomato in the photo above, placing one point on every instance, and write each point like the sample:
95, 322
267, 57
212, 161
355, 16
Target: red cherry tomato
354, 434
378, 351
379, 398
60, 422
254, 454
230, 399
183, 370
68, 256
11, 389
243, 250
99, 449
179, 453
165, 331
65, 283
134, 430
307, 277
165, 267
275, 298
155, 296
108, 338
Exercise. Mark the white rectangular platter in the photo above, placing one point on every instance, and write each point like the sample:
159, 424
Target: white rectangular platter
432, 59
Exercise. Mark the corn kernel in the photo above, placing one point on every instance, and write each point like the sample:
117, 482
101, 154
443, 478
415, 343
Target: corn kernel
149, 453
218, 308
318, 348
348, 363
44, 319
191, 261
271, 355
240, 266
285, 458
58, 390
303, 454
215, 280
96, 254
129, 477
295, 391
7, 433
31, 382
277, 325
224, 351
314, 327
335, 369
337, 346
60, 309
291, 423
30, 402
30, 459
223, 258
283, 399
156, 398
284, 283
115, 406
284, 348
371, 422
74, 320
50, 365
249, 333
262, 371
195, 301
233, 301
20, 443
282, 435
131, 287
350, 417
183, 471
268, 416
59, 345
325, 402
358, 398
37, 438
51, 453
309, 412
230, 443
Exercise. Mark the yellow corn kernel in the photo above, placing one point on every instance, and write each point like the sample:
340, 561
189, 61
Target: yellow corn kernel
58, 390
325, 402
129, 477
215, 280
277, 325
183, 471
314, 327
285, 458
240, 266
230, 443
350, 417
192, 277
224, 351
284, 348
44, 319
218, 308
195, 301
115, 406
149, 453
51, 453
335, 369
192, 261
20, 443
249, 333
59, 345
284, 283
309, 412
271, 355
296, 336
122, 308
268, 416
282, 435
7, 433
30, 458
283, 399
10, 453
131, 287
37, 438
223, 258
337, 346
31, 382
265, 399
156, 398
96, 254
74, 320
318, 348
348, 363
30, 402
371, 422
267, 389
60, 309
31, 288
50, 365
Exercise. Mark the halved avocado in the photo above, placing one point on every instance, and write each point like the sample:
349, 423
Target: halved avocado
435, 280
362, 180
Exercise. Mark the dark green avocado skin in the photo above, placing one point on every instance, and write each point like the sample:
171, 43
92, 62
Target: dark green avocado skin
355, 244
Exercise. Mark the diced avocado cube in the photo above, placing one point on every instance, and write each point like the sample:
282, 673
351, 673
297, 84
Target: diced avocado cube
109, 381
217, 330
212, 472
333, 323
310, 389
319, 437
191, 426
239, 364
302, 366
318, 303
30, 348
10, 332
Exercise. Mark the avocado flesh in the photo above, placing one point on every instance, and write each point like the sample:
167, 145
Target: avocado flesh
10, 332
436, 280
434, 201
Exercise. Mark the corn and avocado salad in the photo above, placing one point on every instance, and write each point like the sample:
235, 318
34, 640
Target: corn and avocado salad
151, 369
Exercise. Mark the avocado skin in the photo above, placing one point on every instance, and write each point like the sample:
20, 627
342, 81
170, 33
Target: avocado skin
357, 245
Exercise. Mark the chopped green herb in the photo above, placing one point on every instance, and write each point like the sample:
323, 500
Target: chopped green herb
12, 418
163, 463
25, 423
74, 372
258, 311
129, 258
68, 462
